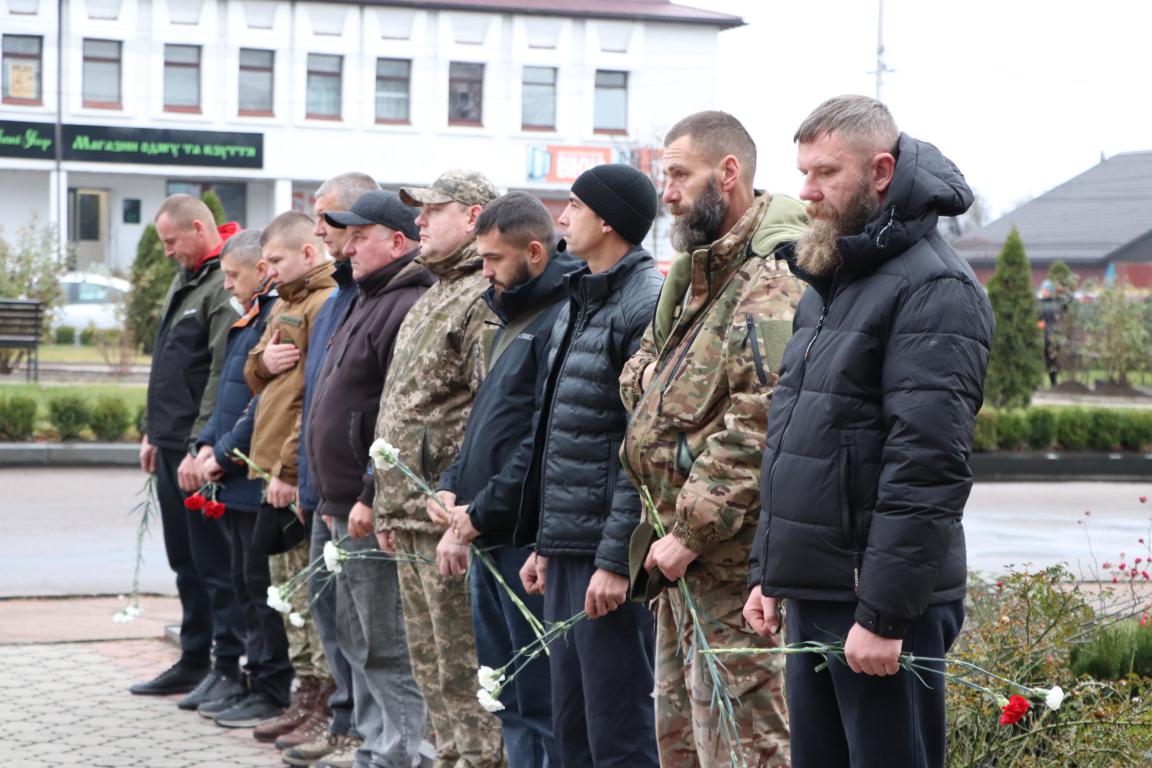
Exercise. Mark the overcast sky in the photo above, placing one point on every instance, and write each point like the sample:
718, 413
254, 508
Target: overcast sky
1021, 94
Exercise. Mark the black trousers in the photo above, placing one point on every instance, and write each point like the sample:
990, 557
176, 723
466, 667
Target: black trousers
198, 552
843, 719
602, 676
269, 670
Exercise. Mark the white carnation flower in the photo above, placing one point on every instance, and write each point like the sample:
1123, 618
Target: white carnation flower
127, 613
333, 557
488, 701
490, 679
276, 601
384, 453
296, 619
1054, 698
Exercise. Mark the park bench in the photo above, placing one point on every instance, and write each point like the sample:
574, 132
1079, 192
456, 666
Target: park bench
21, 323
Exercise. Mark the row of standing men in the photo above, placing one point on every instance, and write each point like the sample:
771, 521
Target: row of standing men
537, 388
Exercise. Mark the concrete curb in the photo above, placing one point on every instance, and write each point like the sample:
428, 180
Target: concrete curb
69, 454
1005, 466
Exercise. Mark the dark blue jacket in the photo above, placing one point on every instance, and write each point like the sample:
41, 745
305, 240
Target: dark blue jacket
488, 473
576, 500
327, 320
865, 471
226, 429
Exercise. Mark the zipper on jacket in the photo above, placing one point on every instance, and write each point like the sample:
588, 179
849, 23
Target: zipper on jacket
688, 342
756, 357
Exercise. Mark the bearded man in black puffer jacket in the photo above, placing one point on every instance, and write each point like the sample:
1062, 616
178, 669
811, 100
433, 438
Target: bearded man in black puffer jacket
865, 471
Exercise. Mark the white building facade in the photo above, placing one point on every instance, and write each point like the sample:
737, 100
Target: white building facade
108, 106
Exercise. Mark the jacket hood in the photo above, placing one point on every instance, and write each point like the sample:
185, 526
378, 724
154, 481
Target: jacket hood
395, 276
226, 231
461, 261
925, 186
317, 278
545, 288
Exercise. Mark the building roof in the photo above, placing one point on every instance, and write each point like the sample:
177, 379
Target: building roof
627, 10
1093, 217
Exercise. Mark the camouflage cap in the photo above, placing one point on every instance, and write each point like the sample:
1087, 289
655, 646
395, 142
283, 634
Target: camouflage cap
467, 187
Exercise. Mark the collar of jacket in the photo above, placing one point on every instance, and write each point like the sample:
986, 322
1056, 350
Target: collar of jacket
462, 261
543, 289
925, 185
261, 300
226, 231
342, 273
317, 278
391, 276
585, 287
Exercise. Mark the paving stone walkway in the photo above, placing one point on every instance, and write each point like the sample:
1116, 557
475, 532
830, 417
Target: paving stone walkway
67, 704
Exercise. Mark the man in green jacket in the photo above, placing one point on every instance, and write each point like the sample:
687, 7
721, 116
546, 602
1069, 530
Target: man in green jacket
186, 363
698, 389
437, 367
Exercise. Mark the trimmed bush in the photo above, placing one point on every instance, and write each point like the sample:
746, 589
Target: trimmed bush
1011, 430
139, 420
88, 336
109, 419
984, 439
1104, 429
1114, 652
1041, 428
1136, 431
65, 334
1072, 429
17, 417
69, 414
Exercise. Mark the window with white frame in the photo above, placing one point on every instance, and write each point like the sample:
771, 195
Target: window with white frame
101, 75
538, 103
257, 73
181, 78
465, 93
610, 110
325, 76
393, 86
23, 64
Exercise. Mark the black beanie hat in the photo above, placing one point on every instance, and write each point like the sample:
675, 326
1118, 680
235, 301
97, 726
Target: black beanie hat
621, 195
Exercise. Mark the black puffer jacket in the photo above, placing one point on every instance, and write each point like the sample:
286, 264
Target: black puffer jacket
488, 473
865, 471
576, 500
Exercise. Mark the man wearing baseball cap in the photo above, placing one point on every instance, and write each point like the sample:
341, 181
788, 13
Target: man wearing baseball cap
438, 365
602, 678
381, 246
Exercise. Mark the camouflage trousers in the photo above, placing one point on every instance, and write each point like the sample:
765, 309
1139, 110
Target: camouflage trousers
441, 644
305, 650
687, 726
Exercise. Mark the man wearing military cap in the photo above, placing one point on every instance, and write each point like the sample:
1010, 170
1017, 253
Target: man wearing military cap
437, 367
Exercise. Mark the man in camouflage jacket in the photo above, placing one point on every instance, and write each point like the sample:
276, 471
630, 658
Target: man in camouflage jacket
699, 389
437, 368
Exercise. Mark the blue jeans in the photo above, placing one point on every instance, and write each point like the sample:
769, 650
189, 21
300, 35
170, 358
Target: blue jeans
322, 597
526, 720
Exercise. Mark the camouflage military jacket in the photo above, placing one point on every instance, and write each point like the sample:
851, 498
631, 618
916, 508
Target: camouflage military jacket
697, 433
437, 367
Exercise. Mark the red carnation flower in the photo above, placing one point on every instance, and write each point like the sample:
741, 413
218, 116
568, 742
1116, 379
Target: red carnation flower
1144, 620
1143, 499
195, 502
214, 510
1014, 710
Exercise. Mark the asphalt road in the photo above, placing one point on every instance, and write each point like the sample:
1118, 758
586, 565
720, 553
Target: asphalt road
69, 532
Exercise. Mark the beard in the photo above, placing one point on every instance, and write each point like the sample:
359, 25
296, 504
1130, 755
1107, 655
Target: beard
701, 224
816, 250
518, 277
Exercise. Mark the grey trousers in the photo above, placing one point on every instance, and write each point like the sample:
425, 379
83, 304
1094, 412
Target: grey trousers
388, 709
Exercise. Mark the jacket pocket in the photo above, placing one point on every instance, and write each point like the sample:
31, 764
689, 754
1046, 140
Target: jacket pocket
684, 458
751, 340
356, 437
426, 458
613, 473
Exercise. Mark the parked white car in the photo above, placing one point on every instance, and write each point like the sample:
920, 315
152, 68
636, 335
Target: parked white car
88, 299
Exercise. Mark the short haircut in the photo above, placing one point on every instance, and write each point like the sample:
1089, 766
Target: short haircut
520, 218
293, 229
716, 134
182, 210
860, 119
347, 188
244, 247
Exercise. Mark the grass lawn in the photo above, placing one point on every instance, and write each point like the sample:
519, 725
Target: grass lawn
91, 355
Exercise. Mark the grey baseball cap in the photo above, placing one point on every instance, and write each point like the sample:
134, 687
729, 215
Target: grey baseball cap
378, 206
467, 187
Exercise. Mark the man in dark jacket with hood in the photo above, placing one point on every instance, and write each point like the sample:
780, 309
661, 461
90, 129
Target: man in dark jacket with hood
578, 506
388, 710
865, 472
186, 363
514, 237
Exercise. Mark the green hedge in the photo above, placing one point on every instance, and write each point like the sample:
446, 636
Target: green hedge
69, 414
1045, 428
36, 413
17, 417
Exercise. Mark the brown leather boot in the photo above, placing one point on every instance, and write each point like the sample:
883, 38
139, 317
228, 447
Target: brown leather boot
302, 703
313, 726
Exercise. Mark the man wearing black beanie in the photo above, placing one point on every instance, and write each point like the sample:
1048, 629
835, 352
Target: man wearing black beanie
602, 676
